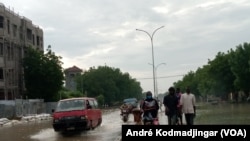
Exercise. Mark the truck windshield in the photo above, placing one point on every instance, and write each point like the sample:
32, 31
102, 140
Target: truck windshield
69, 105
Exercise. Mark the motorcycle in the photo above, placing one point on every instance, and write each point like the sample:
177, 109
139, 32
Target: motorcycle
149, 120
124, 115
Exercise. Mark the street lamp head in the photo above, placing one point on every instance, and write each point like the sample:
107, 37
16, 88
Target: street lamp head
142, 31
159, 65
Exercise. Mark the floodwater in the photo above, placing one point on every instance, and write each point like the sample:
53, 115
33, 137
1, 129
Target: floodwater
223, 114
110, 129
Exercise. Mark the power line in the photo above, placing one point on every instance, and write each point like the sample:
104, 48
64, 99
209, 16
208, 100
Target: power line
163, 76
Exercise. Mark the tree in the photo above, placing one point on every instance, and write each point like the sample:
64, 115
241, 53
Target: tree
221, 74
240, 66
43, 74
109, 83
227, 73
204, 81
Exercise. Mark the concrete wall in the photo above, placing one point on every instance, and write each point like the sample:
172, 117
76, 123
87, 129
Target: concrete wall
20, 107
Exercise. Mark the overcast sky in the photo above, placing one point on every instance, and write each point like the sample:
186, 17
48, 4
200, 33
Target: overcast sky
88, 33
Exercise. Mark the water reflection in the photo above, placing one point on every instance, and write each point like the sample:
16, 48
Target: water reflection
22, 132
223, 114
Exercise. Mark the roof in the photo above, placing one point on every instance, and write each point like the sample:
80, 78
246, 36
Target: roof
77, 98
130, 100
73, 69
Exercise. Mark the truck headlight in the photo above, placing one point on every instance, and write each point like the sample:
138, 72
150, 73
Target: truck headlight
56, 120
83, 117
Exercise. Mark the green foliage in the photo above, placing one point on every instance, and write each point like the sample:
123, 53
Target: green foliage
221, 75
240, 66
109, 82
100, 99
228, 72
65, 93
43, 74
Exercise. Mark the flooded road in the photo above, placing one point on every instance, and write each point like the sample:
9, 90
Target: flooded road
110, 129
223, 114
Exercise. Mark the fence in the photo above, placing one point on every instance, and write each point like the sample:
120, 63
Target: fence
24, 107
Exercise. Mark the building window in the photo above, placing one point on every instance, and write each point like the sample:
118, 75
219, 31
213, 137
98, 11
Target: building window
1, 73
14, 30
20, 33
2, 96
8, 26
1, 49
33, 38
37, 40
1, 21
72, 75
10, 53
29, 34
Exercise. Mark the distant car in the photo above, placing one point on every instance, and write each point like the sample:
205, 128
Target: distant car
76, 114
131, 101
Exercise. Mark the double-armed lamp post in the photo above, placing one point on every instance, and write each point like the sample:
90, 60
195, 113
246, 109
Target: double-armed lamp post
151, 39
156, 77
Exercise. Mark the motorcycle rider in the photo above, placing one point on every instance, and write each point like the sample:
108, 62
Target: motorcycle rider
149, 107
125, 106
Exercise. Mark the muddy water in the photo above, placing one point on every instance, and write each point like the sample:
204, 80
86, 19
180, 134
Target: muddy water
223, 114
110, 129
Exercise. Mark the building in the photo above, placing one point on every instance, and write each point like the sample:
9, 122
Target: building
16, 34
70, 75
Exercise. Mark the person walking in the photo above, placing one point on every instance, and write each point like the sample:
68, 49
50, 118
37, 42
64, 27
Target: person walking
170, 102
188, 105
179, 110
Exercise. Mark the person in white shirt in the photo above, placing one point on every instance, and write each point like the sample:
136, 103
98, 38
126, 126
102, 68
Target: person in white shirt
179, 110
188, 103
